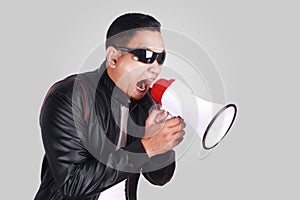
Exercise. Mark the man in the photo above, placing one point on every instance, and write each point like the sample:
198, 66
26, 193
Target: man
96, 128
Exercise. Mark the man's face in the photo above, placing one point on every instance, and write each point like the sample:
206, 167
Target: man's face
134, 77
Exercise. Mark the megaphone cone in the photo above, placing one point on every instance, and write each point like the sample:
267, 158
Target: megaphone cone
211, 121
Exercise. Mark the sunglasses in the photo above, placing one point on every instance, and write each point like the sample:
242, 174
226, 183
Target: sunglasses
145, 55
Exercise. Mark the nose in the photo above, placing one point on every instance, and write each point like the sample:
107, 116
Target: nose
155, 68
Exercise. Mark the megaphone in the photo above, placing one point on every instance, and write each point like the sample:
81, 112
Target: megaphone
211, 121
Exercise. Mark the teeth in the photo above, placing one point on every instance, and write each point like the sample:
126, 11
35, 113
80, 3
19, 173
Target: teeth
141, 86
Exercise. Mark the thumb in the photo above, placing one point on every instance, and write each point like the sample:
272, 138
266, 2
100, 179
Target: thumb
162, 116
152, 118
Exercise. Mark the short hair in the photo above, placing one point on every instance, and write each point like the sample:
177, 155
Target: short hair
125, 26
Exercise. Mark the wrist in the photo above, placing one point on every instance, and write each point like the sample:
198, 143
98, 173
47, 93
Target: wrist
148, 147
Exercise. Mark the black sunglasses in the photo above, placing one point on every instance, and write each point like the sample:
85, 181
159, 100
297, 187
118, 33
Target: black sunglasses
145, 55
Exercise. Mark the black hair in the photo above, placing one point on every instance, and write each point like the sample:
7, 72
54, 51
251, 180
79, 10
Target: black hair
125, 26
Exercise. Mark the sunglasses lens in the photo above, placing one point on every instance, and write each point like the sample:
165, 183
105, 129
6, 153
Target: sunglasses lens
148, 57
161, 58
143, 55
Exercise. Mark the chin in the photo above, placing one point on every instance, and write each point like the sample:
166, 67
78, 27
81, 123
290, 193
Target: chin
138, 95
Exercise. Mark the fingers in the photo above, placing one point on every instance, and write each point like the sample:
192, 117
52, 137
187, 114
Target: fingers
180, 134
163, 136
175, 121
177, 138
177, 128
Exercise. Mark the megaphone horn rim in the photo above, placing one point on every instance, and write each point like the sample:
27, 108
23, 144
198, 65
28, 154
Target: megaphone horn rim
213, 120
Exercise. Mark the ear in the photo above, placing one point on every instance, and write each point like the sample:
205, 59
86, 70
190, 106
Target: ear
111, 56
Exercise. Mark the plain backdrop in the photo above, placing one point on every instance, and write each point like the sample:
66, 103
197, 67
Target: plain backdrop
254, 44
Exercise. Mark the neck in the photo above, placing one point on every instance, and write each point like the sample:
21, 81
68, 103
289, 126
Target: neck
111, 74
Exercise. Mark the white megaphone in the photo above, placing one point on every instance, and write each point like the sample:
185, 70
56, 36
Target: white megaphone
211, 121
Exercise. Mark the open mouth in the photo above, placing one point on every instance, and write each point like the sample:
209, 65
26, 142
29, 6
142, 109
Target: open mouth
143, 85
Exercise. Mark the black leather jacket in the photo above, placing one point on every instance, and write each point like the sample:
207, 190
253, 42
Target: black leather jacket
79, 124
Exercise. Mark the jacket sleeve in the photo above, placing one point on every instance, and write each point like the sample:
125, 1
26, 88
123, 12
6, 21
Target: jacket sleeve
76, 172
160, 169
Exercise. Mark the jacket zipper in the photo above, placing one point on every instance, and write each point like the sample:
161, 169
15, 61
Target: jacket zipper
127, 189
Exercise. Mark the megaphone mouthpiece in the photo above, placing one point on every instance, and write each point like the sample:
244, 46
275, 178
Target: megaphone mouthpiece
159, 88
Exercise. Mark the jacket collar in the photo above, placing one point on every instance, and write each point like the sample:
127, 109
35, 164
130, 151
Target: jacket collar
114, 92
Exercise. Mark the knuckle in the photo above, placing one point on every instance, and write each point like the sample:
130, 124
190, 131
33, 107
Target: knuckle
164, 133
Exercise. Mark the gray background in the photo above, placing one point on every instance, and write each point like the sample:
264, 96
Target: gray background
255, 45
